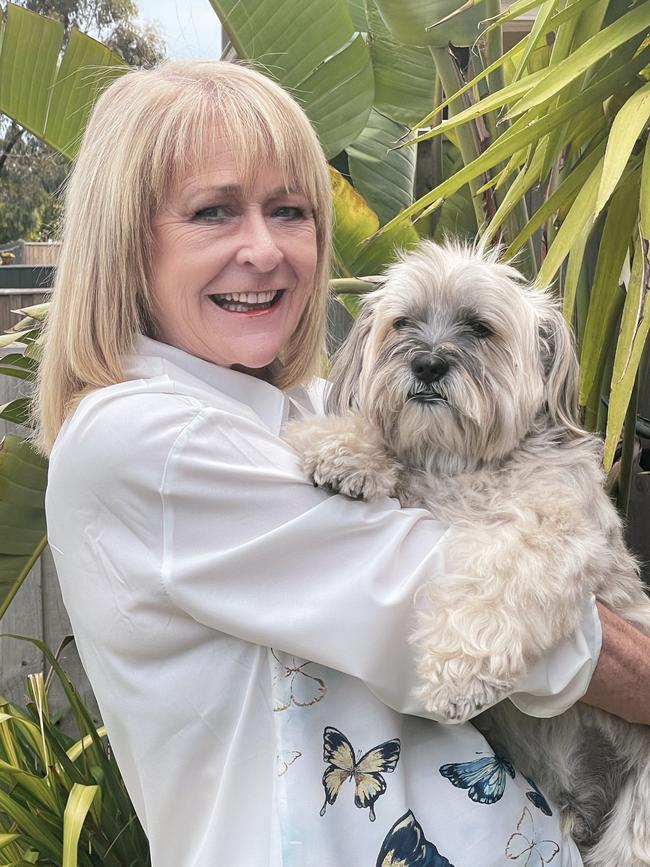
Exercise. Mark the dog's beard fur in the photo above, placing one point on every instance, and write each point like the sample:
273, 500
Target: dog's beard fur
489, 442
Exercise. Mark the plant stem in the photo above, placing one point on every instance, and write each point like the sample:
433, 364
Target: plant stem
351, 286
451, 80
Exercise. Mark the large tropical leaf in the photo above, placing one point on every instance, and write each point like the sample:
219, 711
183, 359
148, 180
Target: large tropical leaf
51, 98
358, 14
359, 252
416, 22
23, 476
313, 50
405, 75
383, 174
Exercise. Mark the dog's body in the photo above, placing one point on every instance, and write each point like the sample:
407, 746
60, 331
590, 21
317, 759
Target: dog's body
456, 392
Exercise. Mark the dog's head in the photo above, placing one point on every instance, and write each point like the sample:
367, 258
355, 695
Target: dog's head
456, 354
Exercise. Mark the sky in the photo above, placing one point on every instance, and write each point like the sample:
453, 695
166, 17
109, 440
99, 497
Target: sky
190, 27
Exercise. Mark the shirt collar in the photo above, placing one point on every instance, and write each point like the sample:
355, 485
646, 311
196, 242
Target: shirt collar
152, 358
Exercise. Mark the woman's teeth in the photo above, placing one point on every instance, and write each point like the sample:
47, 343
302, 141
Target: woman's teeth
241, 302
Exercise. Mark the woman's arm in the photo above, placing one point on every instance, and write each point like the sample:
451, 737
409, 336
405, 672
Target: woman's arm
621, 681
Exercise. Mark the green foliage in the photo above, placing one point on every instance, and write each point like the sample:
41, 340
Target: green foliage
62, 801
31, 173
312, 49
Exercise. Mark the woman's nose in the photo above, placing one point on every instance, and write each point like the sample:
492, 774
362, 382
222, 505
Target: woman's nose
258, 246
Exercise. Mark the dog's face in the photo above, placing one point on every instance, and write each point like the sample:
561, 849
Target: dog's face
455, 355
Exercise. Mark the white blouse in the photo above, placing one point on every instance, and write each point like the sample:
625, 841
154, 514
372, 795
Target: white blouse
188, 544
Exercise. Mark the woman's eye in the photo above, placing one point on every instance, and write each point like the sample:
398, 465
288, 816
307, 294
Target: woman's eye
289, 212
214, 213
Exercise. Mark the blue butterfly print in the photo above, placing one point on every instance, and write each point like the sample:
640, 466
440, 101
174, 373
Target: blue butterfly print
485, 777
536, 798
367, 771
405, 846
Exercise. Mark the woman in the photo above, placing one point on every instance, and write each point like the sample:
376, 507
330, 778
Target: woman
188, 312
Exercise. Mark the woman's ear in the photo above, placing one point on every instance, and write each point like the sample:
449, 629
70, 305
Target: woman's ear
343, 391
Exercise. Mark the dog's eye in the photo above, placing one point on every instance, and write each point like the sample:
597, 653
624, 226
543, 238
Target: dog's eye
402, 322
480, 328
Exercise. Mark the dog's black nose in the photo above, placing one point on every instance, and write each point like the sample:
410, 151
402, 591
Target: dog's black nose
429, 368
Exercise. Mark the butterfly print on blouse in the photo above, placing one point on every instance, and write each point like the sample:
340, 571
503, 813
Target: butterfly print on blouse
484, 778
285, 759
299, 688
523, 845
406, 846
537, 798
367, 772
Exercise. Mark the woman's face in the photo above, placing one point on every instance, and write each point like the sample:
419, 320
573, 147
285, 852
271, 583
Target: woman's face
232, 269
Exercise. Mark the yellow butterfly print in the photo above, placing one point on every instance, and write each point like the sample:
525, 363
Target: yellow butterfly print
367, 772
298, 688
525, 845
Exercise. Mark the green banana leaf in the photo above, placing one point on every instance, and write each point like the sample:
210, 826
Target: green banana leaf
51, 98
405, 75
358, 249
418, 22
312, 49
358, 14
23, 476
383, 174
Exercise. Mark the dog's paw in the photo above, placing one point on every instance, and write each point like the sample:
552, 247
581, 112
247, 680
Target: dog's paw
357, 484
458, 701
336, 456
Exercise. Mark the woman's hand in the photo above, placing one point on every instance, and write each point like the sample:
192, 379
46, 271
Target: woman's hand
621, 681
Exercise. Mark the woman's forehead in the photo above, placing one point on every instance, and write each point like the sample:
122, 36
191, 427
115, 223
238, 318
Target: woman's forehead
221, 169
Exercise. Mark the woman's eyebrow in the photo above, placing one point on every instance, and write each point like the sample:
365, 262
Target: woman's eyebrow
236, 191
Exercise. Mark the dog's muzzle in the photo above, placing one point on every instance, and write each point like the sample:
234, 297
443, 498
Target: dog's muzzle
428, 369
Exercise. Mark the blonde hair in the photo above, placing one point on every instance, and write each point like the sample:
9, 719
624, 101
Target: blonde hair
147, 131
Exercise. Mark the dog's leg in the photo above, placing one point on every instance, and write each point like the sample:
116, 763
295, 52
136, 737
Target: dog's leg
345, 454
509, 594
575, 759
626, 836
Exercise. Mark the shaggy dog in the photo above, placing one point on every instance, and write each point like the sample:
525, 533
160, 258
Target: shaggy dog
456, 392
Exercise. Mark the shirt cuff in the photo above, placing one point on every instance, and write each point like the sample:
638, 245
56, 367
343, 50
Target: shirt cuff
561, 677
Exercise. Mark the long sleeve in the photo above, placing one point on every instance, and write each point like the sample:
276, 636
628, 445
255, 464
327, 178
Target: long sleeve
245, 545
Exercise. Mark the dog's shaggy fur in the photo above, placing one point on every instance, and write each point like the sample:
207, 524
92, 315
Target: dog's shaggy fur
456, 391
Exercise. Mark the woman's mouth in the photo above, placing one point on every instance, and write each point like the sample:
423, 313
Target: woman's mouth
245, 302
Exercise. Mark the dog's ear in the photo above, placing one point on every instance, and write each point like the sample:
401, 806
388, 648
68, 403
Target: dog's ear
343, 391
560, 366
